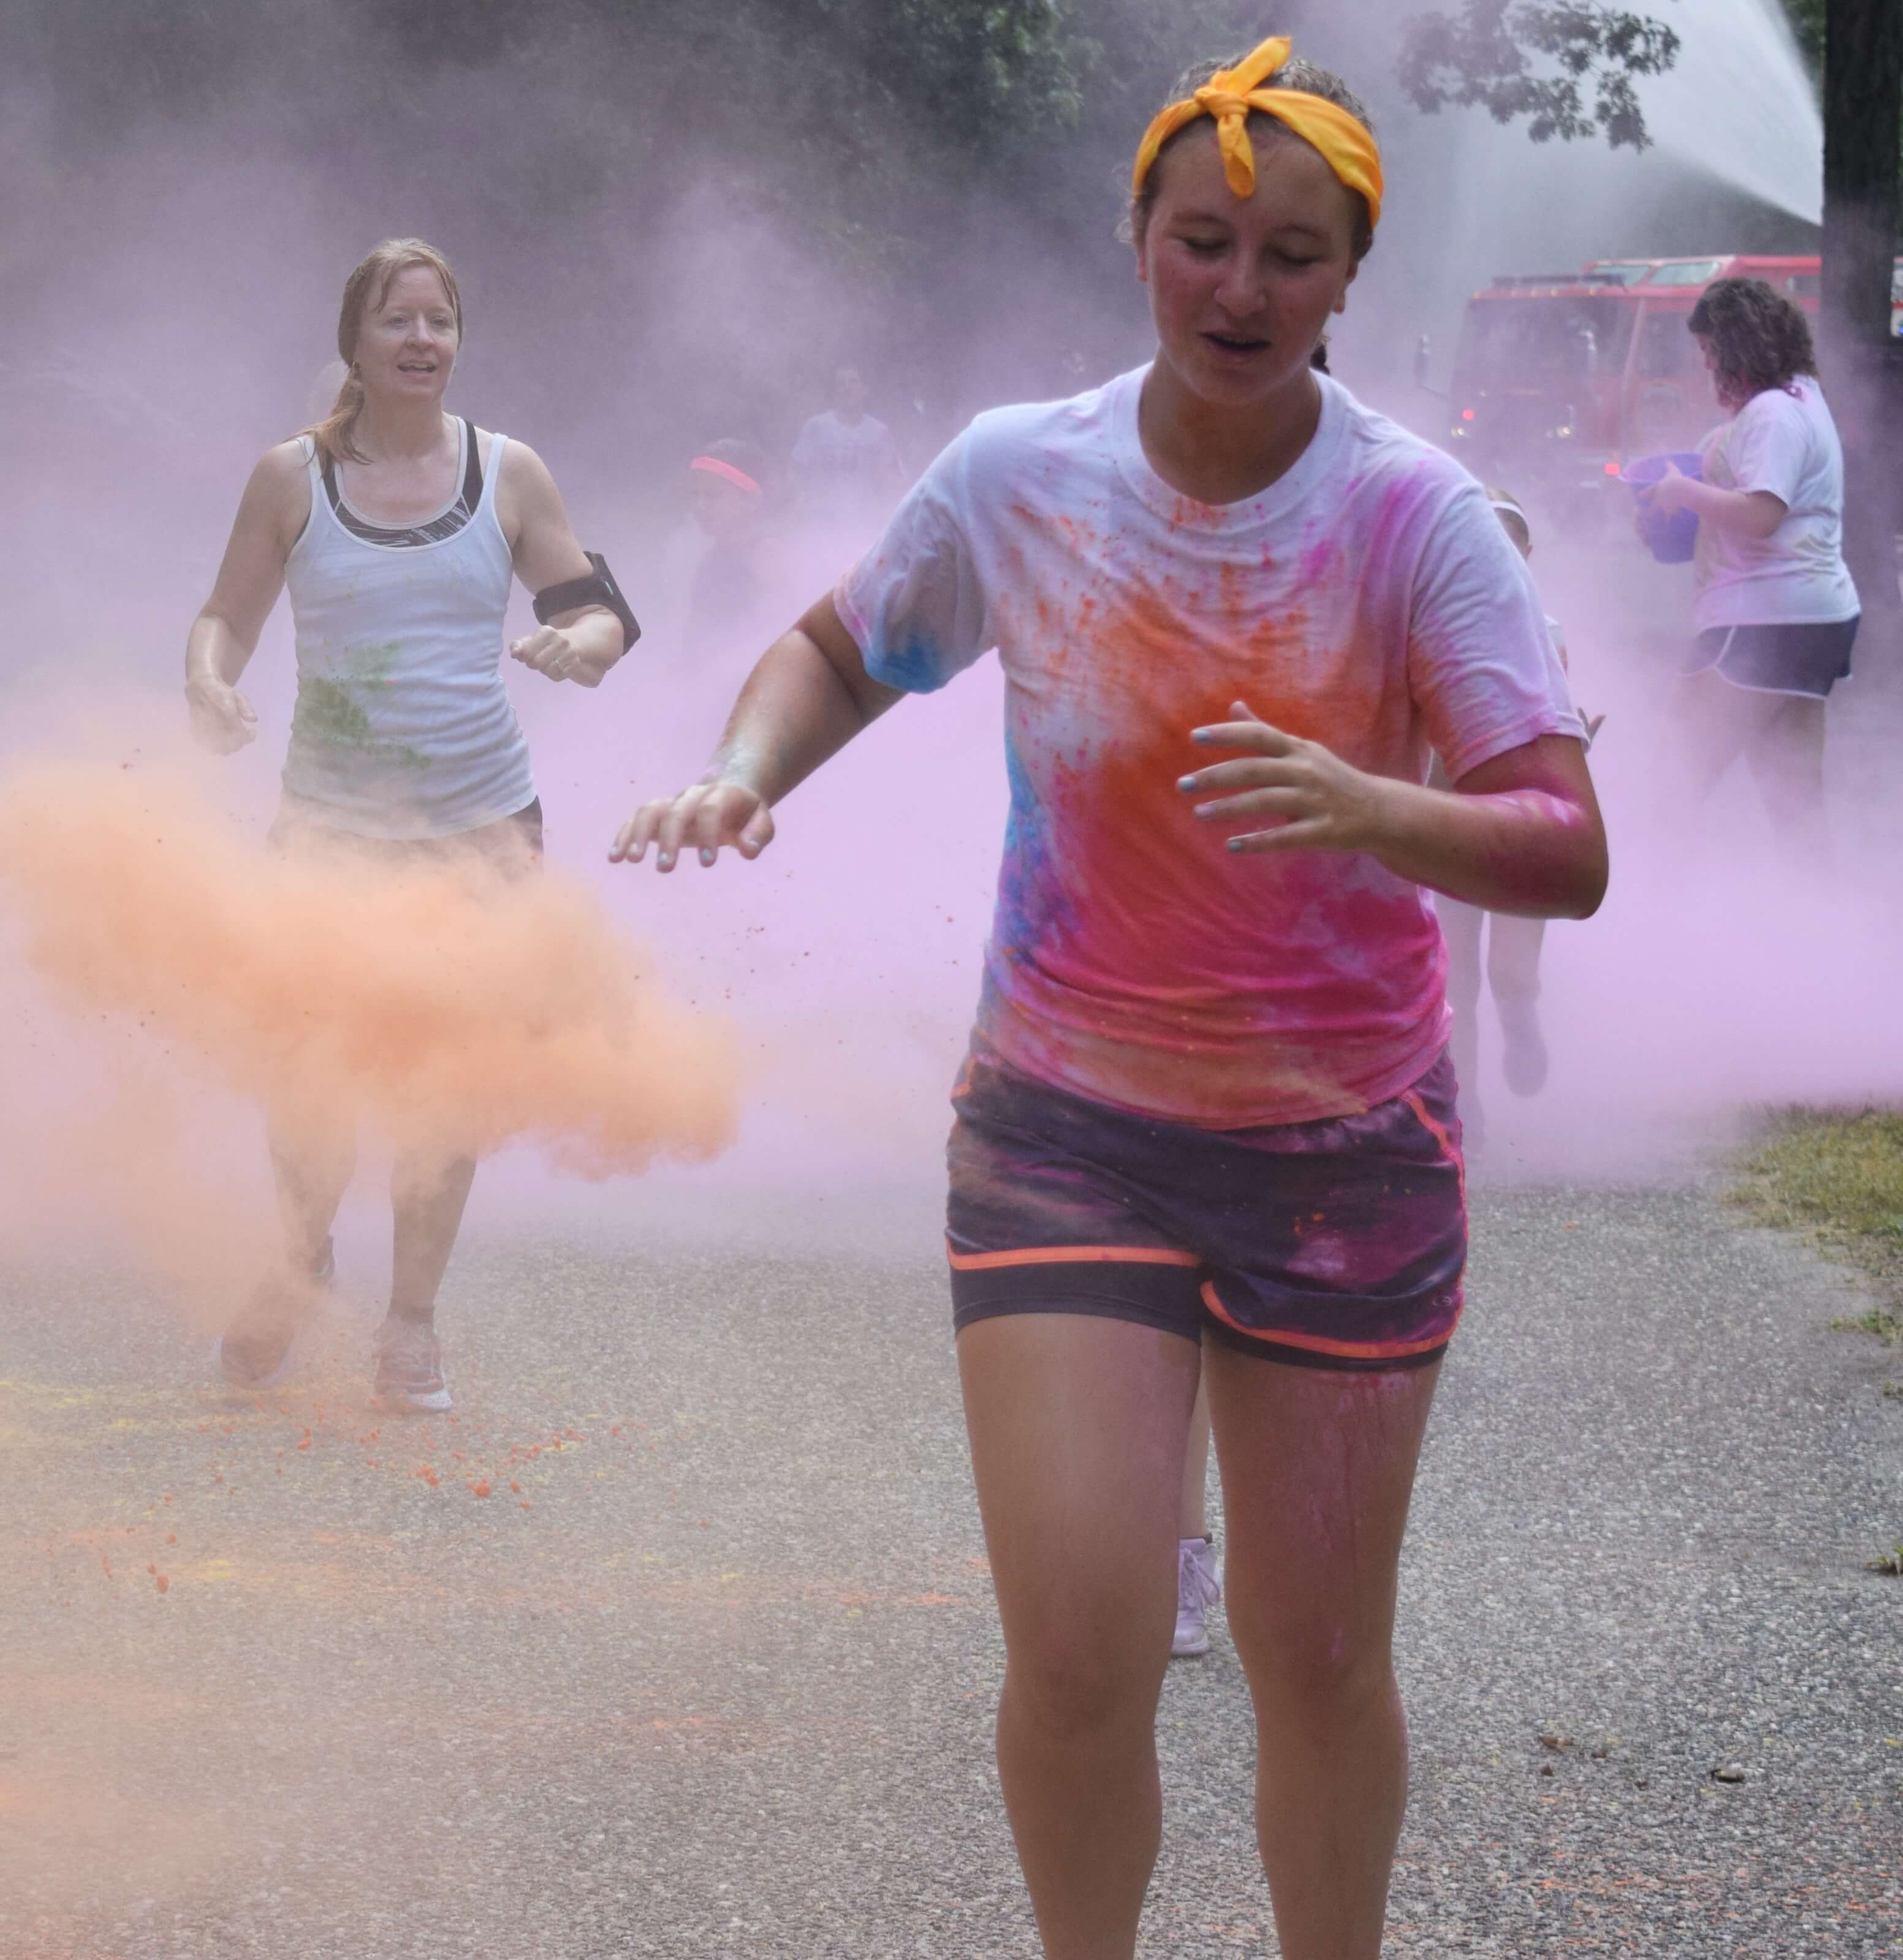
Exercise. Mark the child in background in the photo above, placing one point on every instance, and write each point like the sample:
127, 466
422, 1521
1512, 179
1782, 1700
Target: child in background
735, 597
1513, 949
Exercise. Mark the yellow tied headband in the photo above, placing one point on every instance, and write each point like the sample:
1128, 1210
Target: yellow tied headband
1346, 145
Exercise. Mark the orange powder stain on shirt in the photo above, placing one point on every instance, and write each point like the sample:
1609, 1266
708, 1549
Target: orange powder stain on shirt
1139, 953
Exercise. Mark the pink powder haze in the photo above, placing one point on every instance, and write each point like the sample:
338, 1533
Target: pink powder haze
754, 1059
810, 1007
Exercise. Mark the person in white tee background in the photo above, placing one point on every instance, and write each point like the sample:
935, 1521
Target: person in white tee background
397, 529
846, 467
1775, 609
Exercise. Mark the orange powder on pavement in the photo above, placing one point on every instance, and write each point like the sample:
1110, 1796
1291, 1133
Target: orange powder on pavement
451, 1011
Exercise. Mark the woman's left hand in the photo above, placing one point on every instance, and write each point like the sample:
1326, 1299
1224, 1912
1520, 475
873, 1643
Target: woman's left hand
1668, 493
1320, 802
549, 651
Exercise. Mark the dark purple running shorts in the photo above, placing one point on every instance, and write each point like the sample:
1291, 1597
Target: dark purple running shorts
1338, 1243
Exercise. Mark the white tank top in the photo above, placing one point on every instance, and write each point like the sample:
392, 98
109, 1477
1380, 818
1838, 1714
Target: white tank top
403, 728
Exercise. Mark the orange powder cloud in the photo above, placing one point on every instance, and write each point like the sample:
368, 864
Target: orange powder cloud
451, 1011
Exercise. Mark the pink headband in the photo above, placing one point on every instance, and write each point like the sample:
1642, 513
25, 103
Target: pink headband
713, 466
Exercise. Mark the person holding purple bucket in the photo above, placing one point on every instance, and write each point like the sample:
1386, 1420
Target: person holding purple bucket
1774, 605
1671, 534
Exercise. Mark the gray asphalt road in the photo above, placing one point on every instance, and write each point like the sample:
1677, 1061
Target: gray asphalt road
708, 1670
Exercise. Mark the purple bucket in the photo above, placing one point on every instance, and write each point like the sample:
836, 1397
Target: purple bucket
1670, 535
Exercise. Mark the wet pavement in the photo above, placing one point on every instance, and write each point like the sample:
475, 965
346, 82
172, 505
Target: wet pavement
676, 1637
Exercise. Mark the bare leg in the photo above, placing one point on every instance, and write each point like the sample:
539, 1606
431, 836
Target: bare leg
1461, 926
427, 1195
1786, 757
1318, 1468
1709, 724
1513, 972
313, 1162
1078, 1425
1194, 1518
1199, 1585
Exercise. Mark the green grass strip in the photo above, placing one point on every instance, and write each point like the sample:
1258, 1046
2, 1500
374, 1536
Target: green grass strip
1836, 1175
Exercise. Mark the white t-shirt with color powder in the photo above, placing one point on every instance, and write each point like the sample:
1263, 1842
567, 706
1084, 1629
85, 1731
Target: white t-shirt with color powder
1782, 440
1368, 600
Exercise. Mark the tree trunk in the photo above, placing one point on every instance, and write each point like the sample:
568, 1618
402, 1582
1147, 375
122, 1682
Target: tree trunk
1863, 362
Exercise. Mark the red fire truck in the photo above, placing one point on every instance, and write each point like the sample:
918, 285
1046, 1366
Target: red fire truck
1559, 379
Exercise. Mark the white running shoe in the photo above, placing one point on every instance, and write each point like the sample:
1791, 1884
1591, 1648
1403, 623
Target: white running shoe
1199, 1586
409, 1367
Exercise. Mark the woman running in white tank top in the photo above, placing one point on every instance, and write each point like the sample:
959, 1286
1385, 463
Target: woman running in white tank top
395, 528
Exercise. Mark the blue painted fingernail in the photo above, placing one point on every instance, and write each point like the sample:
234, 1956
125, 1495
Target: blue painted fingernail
1233, 844
1186, 782
665, 861
707, 856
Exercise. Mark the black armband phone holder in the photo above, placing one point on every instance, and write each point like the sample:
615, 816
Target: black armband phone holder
598, 589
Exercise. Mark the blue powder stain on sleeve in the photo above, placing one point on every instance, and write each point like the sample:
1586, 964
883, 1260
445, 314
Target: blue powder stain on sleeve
917, 666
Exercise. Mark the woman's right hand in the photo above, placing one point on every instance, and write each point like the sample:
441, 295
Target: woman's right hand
701, 819
222, 719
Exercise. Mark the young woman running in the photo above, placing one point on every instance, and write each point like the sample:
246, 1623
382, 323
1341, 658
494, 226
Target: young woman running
1776, 609
1206, 1100
395, 528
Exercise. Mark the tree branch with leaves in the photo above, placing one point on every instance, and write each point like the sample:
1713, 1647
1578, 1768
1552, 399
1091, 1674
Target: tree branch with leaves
1568, 66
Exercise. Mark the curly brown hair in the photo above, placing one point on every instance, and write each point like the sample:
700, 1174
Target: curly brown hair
1295, 73
1759, 339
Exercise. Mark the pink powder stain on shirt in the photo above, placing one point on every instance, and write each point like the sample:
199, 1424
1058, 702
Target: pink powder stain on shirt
1374, 606
1168, 942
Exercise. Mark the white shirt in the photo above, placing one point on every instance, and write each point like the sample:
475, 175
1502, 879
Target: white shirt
843, 468
403, 728
1782, 440
1367, 600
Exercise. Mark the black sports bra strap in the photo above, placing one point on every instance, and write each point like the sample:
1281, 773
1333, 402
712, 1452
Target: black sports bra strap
472, 469
451, 521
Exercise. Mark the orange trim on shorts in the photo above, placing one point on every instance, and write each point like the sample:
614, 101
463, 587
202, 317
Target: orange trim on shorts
1440, 1137
1071, 1256
1316, 1343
